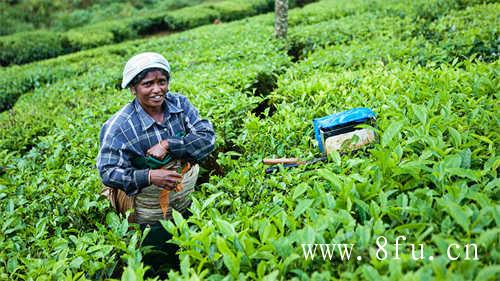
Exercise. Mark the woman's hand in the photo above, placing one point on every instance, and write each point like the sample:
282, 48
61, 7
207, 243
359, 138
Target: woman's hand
167, 179
158, 150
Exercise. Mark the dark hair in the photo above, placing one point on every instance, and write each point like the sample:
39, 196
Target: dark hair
138, 78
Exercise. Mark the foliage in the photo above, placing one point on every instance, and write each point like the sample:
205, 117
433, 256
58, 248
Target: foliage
11, 20
433, 175
12, 50
196, 16
30, 46
63, 15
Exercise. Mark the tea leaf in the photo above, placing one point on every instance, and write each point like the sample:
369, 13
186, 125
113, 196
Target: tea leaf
488, 273
391, 132
458, 214
302, 206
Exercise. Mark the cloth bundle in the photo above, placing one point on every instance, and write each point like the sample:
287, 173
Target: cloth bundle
146, 204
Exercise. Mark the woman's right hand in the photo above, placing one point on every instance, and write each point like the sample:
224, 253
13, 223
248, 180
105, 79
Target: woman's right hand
167, 179
159, 150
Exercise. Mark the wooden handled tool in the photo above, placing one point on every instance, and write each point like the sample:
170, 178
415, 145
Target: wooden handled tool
270, 170
269, 161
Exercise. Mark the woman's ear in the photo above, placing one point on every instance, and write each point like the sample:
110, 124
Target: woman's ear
132, 89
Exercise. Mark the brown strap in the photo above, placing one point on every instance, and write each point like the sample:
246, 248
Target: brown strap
120, 201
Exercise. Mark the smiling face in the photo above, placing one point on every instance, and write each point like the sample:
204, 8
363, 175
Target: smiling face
151, 90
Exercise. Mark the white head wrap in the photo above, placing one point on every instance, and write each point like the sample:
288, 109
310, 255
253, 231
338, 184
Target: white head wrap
142, 61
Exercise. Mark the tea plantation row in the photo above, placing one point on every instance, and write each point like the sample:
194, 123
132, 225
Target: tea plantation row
33, 46
30, 46
432, 177
59, 15
36, 45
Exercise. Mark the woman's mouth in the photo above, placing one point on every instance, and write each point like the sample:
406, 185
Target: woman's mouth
157, 98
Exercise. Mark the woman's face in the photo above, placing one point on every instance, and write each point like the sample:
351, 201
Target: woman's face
151, 90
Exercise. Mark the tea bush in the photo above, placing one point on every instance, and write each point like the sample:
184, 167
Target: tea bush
432, 176
14, 51
59, 15
30, 46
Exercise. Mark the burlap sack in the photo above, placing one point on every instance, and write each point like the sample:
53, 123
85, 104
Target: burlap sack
151, 212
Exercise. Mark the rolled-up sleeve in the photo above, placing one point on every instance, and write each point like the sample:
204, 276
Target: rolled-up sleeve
115, 168
199, 140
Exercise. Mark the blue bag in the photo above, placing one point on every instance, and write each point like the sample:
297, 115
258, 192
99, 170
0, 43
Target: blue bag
340, 123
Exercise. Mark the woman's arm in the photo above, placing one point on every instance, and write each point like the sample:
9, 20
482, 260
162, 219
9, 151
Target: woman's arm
115, 167
199, 140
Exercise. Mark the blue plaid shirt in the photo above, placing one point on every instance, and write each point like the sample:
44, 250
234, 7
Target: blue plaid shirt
131, 132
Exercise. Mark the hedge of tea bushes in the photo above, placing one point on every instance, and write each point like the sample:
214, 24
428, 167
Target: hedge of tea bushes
16, 81
469, 30
58, 15
32, 46
58, 141
59, 202
187, 65
424, 180
25, 47
432, 176
457, 33
425, 11
444, 47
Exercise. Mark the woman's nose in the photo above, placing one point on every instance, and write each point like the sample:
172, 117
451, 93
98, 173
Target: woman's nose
156, 88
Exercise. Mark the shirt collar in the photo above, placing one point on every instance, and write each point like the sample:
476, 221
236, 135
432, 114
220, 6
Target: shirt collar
148, 121
173, 104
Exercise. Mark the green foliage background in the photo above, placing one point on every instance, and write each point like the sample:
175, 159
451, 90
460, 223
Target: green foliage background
28, 46
429, 69
23, 15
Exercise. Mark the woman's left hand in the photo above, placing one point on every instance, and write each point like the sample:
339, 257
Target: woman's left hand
159, 150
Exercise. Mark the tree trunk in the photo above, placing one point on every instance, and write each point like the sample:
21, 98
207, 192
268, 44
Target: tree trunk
281, 18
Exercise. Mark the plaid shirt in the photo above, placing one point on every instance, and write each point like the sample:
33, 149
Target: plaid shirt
131, 132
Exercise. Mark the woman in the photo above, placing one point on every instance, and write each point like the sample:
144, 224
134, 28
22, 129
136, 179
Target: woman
157, 125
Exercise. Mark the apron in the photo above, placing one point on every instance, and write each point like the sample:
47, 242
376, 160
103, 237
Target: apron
146, 204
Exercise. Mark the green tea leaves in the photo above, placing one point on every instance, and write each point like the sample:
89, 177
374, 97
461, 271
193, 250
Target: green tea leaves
302, 205
420, 112
230, 260
458, 213
225, 228
455, 136
488, 273
391, 132
428, 68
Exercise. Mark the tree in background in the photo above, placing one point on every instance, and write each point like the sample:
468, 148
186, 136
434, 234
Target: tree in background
281, 18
